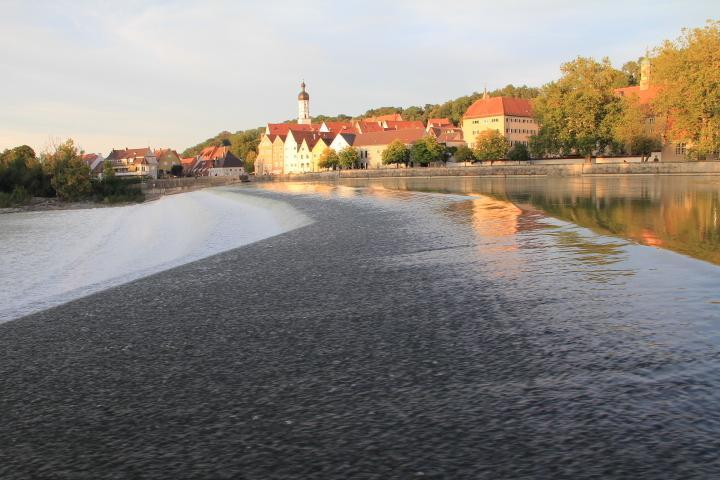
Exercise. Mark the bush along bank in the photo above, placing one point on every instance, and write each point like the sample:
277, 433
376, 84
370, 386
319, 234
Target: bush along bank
59, 173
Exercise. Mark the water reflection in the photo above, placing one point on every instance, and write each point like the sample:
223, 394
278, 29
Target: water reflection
679, 213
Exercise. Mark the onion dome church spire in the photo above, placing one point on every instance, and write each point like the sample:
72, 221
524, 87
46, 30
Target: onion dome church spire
303, 106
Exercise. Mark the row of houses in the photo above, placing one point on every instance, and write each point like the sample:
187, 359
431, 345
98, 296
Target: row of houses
164, 162
297, 147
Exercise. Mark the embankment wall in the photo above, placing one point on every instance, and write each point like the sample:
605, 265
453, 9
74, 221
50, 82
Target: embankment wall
556, 170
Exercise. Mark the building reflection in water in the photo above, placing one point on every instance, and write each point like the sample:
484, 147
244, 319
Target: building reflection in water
678, 213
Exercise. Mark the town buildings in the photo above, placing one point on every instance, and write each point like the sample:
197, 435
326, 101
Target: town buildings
673, 149
166, 159
95, 162
217, 162
512, 117
297, 147
134, 162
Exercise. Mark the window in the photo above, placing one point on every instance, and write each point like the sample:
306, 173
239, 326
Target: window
680, 148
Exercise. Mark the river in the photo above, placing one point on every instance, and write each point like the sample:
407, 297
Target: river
477, 328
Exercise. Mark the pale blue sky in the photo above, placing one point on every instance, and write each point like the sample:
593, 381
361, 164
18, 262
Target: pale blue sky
173, 73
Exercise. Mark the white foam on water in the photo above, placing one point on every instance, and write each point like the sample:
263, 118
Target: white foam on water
49, 258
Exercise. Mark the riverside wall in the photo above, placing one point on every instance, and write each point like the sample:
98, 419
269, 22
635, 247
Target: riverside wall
169, 186
525, 170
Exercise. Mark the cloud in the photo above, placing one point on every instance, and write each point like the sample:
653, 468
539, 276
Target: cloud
173, 73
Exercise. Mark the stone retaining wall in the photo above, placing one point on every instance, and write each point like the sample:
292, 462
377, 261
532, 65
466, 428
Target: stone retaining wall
177, 185
661, 168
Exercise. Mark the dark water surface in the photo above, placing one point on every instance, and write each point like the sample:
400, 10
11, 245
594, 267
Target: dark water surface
403, 334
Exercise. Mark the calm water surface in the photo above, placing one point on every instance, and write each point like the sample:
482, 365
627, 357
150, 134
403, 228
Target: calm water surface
679, 213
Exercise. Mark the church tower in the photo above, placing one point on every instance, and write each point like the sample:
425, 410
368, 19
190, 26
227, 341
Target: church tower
303, 106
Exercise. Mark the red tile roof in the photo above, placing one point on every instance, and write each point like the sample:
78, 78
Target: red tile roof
187, 162
496, 106
403, 125
284, 128
338, 127
644, 96
366, 127
128, 153
439, 122
212, 153
407, 136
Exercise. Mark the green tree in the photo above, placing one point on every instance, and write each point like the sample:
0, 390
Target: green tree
688, 71
631, 70
490, 145
519, 152
632, 132
425, 151
250, 158
464, 154
328, 159
108, 172
70, 176
348, 157
577, 112
176, 170
19, 167
396, 153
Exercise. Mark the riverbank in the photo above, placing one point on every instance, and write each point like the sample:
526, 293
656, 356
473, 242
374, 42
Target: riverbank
399, 334
520, 170
152, 190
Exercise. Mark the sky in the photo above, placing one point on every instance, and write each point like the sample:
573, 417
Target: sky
173, 73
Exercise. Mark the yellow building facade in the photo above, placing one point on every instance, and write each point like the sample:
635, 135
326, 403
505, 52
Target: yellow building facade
512, 117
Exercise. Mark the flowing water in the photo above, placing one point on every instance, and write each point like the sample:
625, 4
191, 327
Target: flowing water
52, 257
446, 328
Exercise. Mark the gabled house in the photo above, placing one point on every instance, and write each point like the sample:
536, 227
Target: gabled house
95, 163
512, 117
342, 140
439, 122
448, 135
134, 162
322, 144
370, 146
364, 126
166, 159
188, 163
285, 128
217, 162
337, 127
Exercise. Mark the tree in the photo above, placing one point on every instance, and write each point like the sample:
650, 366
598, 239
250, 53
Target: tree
108, 172
519, 152
176, 170
425, 151
631, 70
396, 153
328, 159
19, 167
348, 157
632, 132
250, 158
577, 112
688, 72
70, 176
464, 154
490, 145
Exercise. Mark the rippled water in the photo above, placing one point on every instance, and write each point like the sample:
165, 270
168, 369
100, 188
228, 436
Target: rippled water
491, 331
49, 258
